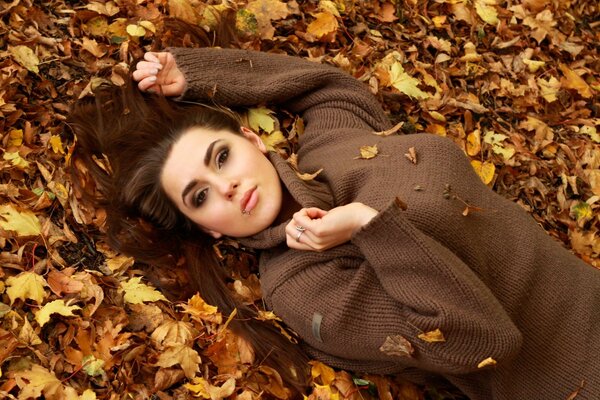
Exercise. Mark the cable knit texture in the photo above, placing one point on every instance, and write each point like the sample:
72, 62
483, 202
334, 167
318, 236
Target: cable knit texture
493, 282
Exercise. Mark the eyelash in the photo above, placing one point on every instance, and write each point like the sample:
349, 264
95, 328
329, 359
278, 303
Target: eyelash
200, 196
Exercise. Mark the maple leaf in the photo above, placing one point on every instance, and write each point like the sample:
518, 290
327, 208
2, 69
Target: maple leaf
174, 332
183, 355
37, 380
368, 152
42, 316
549, 88
432, 336
325, 372
261, 118
137, 292
324, 24
272, 140
405, 83
200, 387
265, 11
182, 9
574, 81
26, 285
542, 25
496, 140
27, 335
200, 310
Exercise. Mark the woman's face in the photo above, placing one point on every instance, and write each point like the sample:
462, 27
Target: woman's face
223, 181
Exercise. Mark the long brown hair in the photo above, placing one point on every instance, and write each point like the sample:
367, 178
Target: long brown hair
123, 138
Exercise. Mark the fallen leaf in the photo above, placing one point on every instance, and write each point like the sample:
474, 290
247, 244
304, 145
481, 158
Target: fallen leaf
486, 11
137, 292
485, 170
93, 47
411, 155
201, 311
325, 372
134, 30
265, 11
24, 223
26, 57
37, 381
182, 9
368, 152
474, 143
109, 8
549, 88
56, 144
324, 24
487, 362
397, 345
406, 83
183, 355
582, 212
16, 160
432, 336
261, 118
93, 366
174, 332
574, 81
27, 335
591, 131
42, 316
26, 285
200, 387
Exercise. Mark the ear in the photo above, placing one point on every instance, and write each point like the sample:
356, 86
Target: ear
254, 139
214, 234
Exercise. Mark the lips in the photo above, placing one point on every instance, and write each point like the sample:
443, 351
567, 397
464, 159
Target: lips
249, 200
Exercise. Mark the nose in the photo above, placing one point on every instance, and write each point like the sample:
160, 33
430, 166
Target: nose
228, 188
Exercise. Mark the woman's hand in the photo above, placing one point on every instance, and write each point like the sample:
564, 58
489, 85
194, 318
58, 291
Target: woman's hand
158, 73
319, 230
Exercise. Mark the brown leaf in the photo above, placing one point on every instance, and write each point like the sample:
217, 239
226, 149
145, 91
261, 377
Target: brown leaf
397, 345
432, 336
411, 155
367, 152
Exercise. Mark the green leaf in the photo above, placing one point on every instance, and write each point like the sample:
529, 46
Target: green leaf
582, 211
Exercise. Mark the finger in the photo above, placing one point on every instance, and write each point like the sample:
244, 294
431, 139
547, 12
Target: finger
140, 74
303, 236
147, 83
293, 244
152, 57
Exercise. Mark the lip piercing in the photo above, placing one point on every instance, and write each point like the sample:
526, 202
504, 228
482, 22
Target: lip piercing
245, 212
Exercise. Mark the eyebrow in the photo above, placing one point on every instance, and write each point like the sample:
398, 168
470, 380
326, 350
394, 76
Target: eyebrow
207, 158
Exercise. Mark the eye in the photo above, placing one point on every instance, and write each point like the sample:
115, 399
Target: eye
222, 157
199, 197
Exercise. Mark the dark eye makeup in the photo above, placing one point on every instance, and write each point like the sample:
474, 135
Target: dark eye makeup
200, 196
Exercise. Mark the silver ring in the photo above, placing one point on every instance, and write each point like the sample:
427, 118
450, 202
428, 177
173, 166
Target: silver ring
299, 234
300, 228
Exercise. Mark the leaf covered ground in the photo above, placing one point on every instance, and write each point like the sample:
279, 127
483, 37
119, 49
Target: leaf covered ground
515, 83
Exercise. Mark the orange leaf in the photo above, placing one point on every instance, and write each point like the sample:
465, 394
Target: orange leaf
324, 24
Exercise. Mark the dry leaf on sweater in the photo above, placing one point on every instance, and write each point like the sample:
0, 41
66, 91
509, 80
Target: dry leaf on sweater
487, 362
397, 345
432, 336
411, 155
367, 152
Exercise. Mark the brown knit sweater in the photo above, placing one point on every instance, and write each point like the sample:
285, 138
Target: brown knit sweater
493, 282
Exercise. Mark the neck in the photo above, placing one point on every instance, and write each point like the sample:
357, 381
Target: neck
288, 206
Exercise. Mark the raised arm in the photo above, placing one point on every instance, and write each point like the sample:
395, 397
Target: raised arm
407, 285
325, 96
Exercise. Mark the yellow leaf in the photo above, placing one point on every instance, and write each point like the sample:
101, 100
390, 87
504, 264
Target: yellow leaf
307, 176
93, 366
582, 212
26, 285
324, 392
432, 336
108, 9
27, 335
261, 118
266, 11
38, 380
368, 152
474, 143
326, 373
137, 292
16, 159
182, 9
15, 138
56, 144
549, 89
183, 355
485, 170
26, 57
267, 316
439, 20
200, 387
533, 65
199, 309
148, 25
88, 394
405, 83
324, 24
272, 140
245, 22
591, 131
329, 6
174, 332
135, 30
24, 223
574, 81
54, 307
93, 47
486, 11
471, 54
487, 362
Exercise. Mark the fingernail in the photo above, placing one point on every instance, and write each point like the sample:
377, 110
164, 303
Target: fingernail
152, 79
154, 71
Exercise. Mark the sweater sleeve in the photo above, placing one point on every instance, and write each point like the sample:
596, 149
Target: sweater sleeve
406, 285
324, 96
